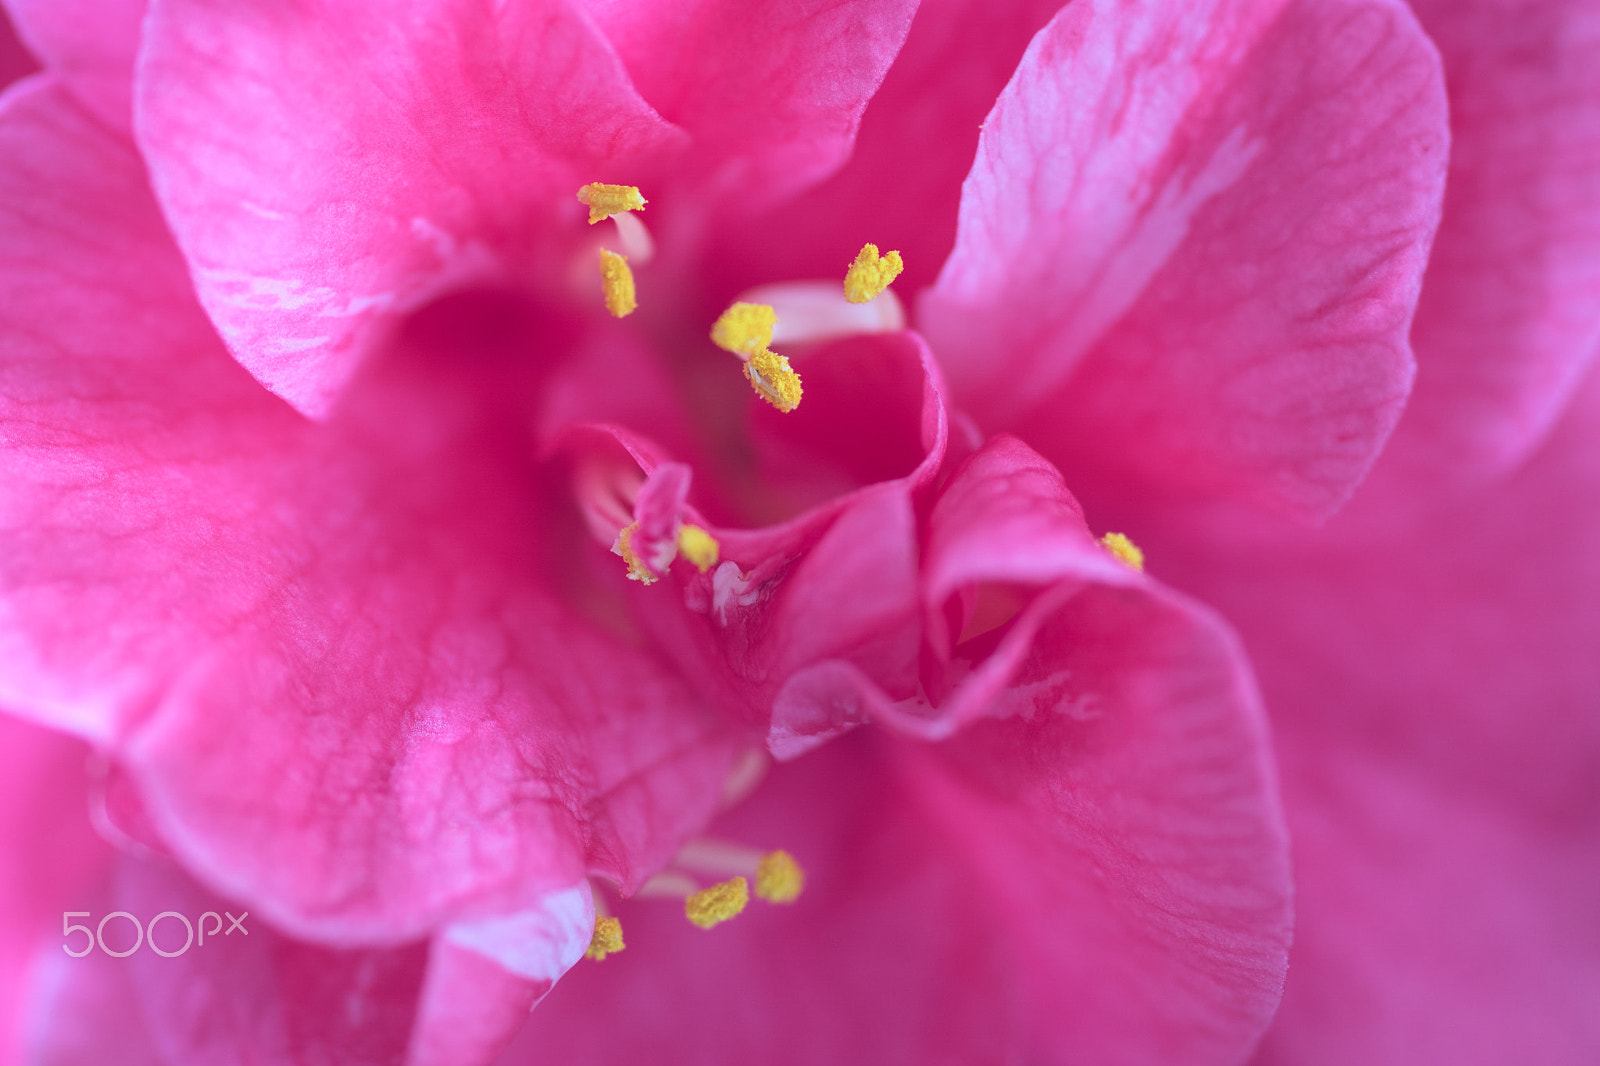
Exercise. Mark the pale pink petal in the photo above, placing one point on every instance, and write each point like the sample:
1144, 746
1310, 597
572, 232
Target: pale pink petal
771, 91
995, 899
90, 45
1192, 240
1510, 310
329, 165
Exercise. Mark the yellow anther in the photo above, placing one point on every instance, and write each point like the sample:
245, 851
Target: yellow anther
774, 379
617, 282
637, 571
607, 200
779, 878
869, 275
716, 904
607, 939
1124, 549
698, 546
744, 329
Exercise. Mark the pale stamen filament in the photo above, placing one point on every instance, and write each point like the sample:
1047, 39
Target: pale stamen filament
634, 238
605, 494
668, 884
811, 311
720, 858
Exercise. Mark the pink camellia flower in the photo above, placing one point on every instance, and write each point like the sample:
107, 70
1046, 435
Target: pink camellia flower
419, 597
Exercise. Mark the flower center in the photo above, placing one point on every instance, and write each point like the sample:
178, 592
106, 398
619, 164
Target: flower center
777, 876
790, 313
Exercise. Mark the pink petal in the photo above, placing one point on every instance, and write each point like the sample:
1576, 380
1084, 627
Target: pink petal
330, 655
1431, 673
1191, 244
328, 168
992, 899
771, 91
1510, 311
90, 45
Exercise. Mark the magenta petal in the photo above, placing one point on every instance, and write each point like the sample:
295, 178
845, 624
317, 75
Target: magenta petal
770, 90
1191, 243
327, 167
90, 46
1510, 311
995, 899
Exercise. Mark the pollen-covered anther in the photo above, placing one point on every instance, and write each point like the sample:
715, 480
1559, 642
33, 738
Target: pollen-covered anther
607, 200
616, 281
698, 546
744, 329
714, 905
1127, 553
870, 274
779, 879
774, 380
607, 938
637, 570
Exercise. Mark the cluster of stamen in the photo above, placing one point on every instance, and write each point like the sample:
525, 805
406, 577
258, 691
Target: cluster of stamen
746, 330
778, 879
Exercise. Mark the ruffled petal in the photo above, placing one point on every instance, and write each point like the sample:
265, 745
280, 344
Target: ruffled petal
89, 45
836, 582
329, 657
1510, 311
131, 441
1191, 244
329, 167
993, 899
772, 92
